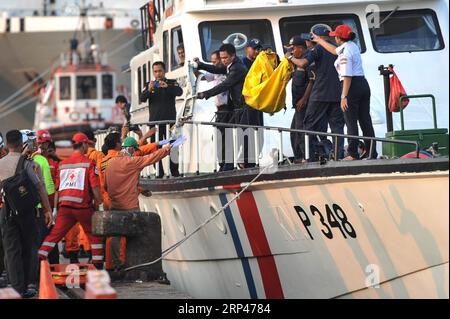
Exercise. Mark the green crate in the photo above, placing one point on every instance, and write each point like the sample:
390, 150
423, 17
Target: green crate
425, 137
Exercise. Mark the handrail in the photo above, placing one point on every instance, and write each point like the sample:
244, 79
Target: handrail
417, 96
197, 124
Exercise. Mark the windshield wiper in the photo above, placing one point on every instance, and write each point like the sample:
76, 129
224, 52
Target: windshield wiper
387, 17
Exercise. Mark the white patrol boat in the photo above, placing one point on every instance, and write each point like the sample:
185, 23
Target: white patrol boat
33, 33
357, 229
80, 94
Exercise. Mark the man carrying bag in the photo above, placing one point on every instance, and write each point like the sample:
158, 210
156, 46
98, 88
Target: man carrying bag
22, 190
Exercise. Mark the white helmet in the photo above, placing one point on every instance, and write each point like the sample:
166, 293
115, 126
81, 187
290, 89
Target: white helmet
28, 136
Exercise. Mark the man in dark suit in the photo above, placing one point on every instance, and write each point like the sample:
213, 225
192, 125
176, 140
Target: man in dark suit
235, 72
161, 94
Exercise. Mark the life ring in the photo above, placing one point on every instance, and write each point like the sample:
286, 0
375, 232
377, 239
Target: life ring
134, 23
239, 40
74, 116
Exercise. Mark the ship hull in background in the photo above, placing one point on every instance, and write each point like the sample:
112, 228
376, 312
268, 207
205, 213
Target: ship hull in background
379, 232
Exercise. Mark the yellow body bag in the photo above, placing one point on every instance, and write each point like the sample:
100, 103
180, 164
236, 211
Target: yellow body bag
265, 84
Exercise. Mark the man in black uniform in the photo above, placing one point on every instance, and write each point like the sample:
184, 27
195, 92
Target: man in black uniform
252, 50
235, 72
324, 102
302, 84
161, 94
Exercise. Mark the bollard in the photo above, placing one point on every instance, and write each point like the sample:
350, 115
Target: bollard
143, 233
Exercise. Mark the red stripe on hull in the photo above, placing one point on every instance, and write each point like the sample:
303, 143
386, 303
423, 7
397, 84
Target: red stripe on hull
260, 246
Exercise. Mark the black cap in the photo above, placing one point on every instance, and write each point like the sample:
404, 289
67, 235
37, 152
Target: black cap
295, 40
255, 44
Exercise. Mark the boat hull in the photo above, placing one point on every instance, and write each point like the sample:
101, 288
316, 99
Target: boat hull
371, 235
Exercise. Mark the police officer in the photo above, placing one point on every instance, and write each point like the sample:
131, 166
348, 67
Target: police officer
324, 102
76, 183
355, 94
302, 84
19, 229
161, 94
252, 50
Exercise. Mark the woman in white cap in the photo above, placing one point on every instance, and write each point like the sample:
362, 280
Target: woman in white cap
355, 95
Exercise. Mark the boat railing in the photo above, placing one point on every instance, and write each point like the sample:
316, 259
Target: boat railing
190, 157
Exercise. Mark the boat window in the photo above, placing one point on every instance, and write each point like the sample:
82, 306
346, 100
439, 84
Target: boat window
303, 24
238, 32
178, 55
144, 73
140, 85
86, 87
149, 63
166, 48
64, 88
107, 86
407, 31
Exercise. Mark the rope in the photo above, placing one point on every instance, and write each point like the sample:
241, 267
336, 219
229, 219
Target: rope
176, 245
3, 104
17, 107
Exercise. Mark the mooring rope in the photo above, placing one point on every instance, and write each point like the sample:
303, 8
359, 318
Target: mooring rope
176, 245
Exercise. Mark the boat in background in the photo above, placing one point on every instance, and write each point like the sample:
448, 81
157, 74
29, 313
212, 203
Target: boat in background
33, 33
80, 94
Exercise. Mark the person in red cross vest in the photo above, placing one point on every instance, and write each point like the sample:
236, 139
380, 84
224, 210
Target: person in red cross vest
77, 180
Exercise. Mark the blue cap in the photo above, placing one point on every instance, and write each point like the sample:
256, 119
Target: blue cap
255, 44
320, 30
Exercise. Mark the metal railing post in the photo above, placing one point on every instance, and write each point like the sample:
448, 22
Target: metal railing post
197, 129
257, 147
235, 147
168, 172
307, 157
371, 149
280, 147
215, 141
336, 148
157, 140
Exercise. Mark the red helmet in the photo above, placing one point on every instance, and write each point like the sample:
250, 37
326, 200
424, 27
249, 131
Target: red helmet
43, 136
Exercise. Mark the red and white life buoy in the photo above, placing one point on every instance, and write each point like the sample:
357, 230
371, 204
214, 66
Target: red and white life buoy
74, 116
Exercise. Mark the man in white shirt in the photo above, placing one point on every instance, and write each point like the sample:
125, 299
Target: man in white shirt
222, 98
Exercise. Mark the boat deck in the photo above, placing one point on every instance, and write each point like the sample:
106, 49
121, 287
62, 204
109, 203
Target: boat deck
305, 170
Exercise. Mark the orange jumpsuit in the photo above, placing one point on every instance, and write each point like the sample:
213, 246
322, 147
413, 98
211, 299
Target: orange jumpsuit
77, 237
103, 164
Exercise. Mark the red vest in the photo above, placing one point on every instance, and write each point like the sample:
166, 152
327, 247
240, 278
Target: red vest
77, 176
